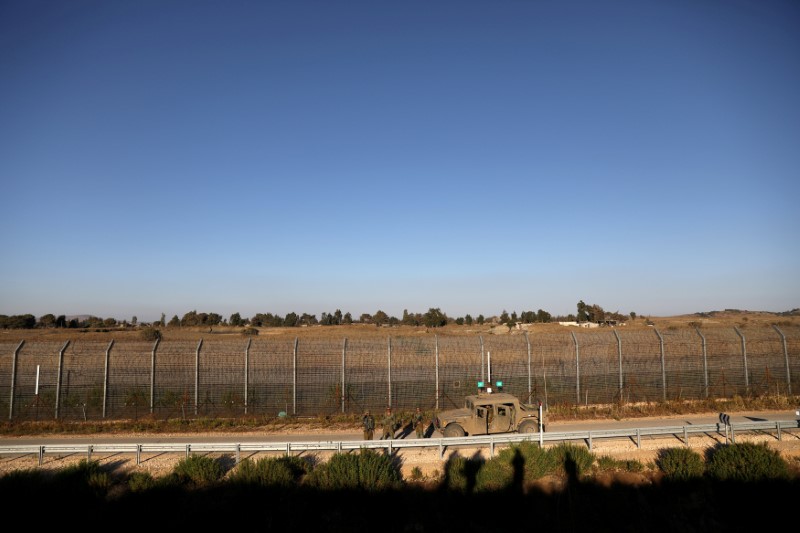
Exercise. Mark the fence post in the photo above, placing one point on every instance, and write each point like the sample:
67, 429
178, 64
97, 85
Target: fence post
246, 372
105, 378
436, 360
389, 375
344, 352
705, 359
14, 380
153, 375
744, 358
663, 365
577, 368
294, 378
197, 376
530, 388
619, 351
58, 377
786, 357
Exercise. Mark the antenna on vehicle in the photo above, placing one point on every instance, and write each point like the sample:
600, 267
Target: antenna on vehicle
489, 371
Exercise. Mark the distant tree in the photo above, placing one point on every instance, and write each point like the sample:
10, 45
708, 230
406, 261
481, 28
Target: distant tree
110, 322
47, 321
291, 320
235, 320
468, 320
348, 318
337, 317
460, 321
543, 316
633, 315
380, 318
481, 319
434, 318
504, 316
308, 320
27, 321
162, 322
61, 321
134, 320
365, 318
174, 322
583, 315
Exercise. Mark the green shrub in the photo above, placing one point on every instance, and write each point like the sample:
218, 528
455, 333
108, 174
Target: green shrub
198, 470
366, 470
150, 334
680, 464
572, 459
608, 463
495, 474
746, 462
270, 471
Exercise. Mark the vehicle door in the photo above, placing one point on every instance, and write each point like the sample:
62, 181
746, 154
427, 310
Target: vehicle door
501, 419
480, 421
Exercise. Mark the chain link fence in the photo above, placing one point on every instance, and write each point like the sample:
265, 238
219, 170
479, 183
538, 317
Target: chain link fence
326, 376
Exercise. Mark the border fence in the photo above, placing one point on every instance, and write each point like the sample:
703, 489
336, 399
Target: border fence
325, 376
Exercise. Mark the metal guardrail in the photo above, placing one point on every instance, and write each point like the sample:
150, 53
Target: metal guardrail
682, 433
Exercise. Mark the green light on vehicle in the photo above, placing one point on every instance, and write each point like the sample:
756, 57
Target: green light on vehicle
481, 384
499, 384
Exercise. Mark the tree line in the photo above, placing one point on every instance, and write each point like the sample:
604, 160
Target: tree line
433, 318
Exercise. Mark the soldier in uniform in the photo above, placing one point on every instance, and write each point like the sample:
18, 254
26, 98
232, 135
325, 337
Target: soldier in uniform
368, 421
388, 424
417, 422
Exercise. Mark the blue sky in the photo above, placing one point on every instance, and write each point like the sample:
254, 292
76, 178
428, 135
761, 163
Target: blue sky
471, 156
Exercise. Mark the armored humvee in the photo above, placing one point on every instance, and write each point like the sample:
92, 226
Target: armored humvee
486, 413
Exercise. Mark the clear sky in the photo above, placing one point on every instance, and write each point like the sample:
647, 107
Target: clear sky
472, 156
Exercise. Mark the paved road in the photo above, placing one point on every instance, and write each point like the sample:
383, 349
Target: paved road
562, 426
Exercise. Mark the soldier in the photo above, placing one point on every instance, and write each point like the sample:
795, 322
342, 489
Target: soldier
417, 422
368, 421
388, 424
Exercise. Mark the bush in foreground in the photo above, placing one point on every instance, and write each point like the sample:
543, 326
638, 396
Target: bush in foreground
746, 462
681, 464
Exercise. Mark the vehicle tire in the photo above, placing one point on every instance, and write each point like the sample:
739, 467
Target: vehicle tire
453, 430
529, 426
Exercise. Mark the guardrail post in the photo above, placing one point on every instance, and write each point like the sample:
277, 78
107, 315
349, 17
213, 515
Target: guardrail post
138, 454
491, 447
441, 450
638, 438
41, 455
590, 441
188, 448
778, 428
14, 380
288, 449
238, 452
89, 453
685, 436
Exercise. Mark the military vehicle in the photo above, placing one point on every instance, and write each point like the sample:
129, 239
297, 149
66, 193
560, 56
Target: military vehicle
489, 412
